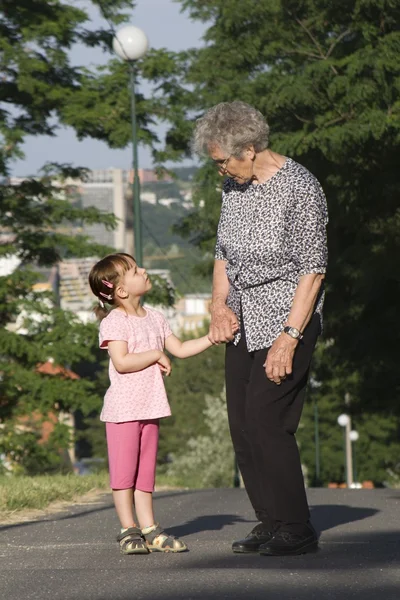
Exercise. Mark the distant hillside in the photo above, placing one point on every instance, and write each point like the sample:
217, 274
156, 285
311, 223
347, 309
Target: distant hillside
158, 221
185, 173
172, 189
163, 249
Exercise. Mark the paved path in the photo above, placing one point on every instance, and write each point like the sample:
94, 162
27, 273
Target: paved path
73, 556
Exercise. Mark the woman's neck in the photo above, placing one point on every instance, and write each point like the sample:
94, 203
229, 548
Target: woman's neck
266, 165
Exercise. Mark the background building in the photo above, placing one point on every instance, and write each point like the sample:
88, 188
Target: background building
105, 189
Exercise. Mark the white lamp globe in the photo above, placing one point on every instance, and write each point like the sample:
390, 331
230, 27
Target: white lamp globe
354, 435
343, 420
130, 43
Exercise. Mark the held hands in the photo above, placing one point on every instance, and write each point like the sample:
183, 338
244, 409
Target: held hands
224, 324
165, 364
280, 358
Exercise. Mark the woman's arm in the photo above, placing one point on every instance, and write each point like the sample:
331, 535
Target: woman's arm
304, 300
280, 356
189, 348
223, 320
126, 362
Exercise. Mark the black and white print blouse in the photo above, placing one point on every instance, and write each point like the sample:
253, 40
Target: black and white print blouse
270, 234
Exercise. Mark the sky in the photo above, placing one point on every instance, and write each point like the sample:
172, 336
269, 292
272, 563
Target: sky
166, 27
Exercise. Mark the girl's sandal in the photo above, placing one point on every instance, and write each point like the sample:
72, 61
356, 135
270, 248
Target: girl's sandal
159, 541
131, 542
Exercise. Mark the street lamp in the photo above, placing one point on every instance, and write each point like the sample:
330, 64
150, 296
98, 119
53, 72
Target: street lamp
354, 435
131, 43
345, 422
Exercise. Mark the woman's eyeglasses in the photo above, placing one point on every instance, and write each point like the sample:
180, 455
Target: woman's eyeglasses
222, 163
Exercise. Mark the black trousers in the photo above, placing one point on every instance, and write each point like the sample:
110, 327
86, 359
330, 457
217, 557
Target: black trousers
263, 419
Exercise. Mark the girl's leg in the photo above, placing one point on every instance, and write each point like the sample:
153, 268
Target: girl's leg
123, 502
157, 539
123, 443
144, 508
146, 472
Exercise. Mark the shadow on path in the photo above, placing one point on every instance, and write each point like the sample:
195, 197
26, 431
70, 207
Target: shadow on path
358, 551
328, 516
206, 523
324, 517
82, 510
268, 592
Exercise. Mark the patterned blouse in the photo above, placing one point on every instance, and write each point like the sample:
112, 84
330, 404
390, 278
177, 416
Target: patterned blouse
270, 234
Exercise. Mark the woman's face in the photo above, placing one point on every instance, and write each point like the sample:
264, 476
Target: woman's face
238, 169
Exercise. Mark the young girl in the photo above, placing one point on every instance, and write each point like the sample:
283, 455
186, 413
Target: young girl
135, 338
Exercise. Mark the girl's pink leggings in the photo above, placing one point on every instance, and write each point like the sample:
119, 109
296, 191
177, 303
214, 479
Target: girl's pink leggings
132, 454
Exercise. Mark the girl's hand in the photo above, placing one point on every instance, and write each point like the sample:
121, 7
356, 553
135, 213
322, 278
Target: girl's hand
165, 364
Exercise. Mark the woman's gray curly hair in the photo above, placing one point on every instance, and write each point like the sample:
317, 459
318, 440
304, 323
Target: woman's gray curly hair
233, 126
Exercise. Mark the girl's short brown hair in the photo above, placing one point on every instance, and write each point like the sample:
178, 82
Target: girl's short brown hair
104, 278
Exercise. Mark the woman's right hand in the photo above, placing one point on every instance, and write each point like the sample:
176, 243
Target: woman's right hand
165, 364
224, 323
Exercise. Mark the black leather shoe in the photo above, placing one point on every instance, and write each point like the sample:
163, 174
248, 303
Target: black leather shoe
252, 542
285, 543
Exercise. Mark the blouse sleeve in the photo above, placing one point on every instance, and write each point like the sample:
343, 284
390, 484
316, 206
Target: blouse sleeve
113, 328
220, 253
166, 328
310, 218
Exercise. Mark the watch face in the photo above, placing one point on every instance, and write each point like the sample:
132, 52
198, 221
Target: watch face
293, 332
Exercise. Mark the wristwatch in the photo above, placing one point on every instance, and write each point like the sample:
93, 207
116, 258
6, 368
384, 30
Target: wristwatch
293, 332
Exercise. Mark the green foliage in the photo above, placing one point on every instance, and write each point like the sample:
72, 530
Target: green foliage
30, 456
207, 459
38, 81
21, 493
37, 227
376, 451
326, 76
162, 292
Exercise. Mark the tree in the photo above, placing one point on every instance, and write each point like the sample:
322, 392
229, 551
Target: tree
40, 89
378, 447
326, 75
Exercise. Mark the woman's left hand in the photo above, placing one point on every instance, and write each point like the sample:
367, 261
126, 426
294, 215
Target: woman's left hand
280, 358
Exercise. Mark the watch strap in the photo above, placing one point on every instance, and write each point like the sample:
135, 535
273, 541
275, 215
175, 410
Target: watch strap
293, 332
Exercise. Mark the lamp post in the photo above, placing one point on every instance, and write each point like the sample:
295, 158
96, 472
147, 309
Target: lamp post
354, 435
345, 422
130, 43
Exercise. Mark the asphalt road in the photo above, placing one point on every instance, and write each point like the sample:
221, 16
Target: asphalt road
74, 556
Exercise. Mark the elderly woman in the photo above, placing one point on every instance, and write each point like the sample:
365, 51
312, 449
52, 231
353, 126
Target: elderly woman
270, 261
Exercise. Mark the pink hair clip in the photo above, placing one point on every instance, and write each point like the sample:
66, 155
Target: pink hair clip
106, 296
107, 283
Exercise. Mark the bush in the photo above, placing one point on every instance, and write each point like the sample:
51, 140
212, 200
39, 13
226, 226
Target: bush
209, 459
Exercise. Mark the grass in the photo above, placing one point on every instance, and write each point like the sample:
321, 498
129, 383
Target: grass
21, 492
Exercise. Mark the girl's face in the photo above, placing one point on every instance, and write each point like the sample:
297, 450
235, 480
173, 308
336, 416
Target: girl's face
134, 282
